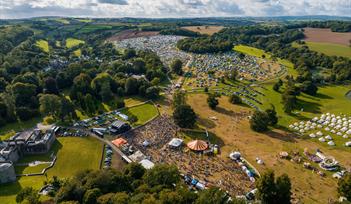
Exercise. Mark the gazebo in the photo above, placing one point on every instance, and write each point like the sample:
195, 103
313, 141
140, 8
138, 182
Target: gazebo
197, 145
119, 142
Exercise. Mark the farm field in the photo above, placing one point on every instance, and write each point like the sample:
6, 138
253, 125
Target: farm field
232, 127
72, 42
43, 44
208, 30
126, 34
324, 35
330, 49
73, 154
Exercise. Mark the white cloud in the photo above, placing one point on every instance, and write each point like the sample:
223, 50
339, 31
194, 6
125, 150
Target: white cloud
172, 8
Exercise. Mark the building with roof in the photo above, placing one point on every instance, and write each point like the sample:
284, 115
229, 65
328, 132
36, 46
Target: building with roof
118, 127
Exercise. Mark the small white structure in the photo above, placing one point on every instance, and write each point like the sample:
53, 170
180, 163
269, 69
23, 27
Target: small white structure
328, 137
348, 144
312, 135
319, 133
235, 155
321, 139
147, 164
331, 143
175, 142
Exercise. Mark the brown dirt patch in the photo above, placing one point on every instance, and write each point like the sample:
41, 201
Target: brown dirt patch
209, 30
132, 34
234, 130
325, 35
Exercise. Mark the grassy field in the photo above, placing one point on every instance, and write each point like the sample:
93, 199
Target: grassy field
93, 28
252, 51
43, 44
72, 42
73, 154
19, 126
7, 135
30, 169
62, 20
232, 127
77, 52
143, 112
208, 30
328, 48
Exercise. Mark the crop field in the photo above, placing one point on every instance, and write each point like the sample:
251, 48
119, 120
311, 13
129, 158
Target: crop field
208, 30
73, 154
231, 126
323, 35
43, 44
330, 49
72, 42
94, 27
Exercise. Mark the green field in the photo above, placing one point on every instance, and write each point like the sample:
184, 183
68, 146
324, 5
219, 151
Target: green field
143, 112
73, 154
251, 51
93, 28
31, 169
19, 126
328, 48
77, 52
72, 42
62, 20
43, 44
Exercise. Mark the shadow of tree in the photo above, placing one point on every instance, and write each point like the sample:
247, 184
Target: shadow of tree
308, 106
287, 137
206, 122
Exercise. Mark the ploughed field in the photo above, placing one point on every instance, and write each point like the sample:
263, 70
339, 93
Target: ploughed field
325, 35
209, 30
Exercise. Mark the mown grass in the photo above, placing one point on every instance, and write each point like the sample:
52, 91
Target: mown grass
31, 169
252, 51
19, 126
329, 49
73, 155
143, 112
43, 44
72, 42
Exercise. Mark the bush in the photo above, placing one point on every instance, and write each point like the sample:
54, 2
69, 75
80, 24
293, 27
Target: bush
259, 121
184, 116
235, 99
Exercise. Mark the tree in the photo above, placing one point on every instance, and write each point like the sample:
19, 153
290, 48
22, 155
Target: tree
91, 196
176, 67
344, 186
29, 195
129, 53
131, 86
273, 191
162, 175
266, 188
152, 92
50, 86
272, 115
67, 109
179, 98
235, 99
283, 186
309, 88
50, 104
212, 196
134, 170
212, 101
259, 121
184, 116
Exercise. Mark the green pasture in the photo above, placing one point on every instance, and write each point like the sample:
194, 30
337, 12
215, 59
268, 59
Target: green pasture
43, 44
143, 112
94, 27
329, 49
251, 51
72, 42
73, 154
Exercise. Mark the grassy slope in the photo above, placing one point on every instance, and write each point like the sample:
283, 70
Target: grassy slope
72, 42
43, 44
328, 48
73, 154
143, 112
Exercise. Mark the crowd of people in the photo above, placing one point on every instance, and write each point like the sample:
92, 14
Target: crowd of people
152, 140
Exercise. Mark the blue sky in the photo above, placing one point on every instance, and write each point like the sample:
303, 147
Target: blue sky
171, 8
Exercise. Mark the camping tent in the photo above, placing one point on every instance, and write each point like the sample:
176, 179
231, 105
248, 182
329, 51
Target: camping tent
147, 164
197, 145
119, 142
175, 142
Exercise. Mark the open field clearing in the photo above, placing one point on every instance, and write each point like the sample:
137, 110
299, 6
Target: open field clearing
143, 112
132, 34
72, 42
73, 154
251, 51
232, 127
325, 35
328, 48
43, 44
208, 30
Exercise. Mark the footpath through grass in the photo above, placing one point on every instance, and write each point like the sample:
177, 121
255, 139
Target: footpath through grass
73, 155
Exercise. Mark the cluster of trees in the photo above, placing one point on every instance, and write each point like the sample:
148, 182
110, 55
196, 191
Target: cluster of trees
204, 45
183, 115
271, 190
261, 120
176, 67
212, 101
27, 87
335, 26
134, 184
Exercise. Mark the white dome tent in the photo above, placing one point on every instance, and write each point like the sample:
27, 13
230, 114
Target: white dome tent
331, 143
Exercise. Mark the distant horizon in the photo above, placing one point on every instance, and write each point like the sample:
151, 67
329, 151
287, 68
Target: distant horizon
195, 17
20, 9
